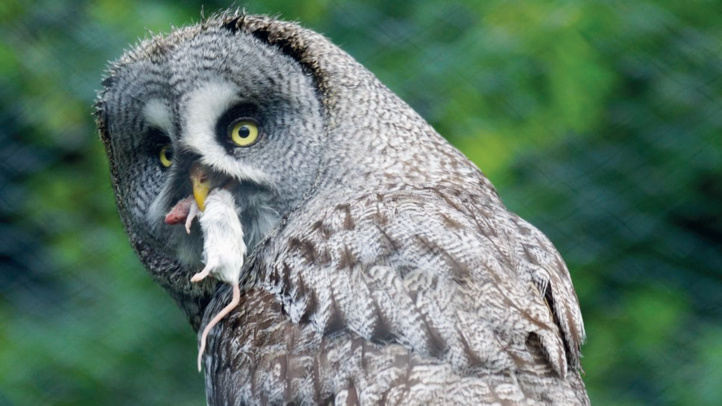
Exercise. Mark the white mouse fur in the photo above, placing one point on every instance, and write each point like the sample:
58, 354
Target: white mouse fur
223, 249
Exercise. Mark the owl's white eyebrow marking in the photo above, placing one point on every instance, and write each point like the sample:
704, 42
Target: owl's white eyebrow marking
205, 105
157, 114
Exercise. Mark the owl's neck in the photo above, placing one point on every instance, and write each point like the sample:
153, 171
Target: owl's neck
257, 222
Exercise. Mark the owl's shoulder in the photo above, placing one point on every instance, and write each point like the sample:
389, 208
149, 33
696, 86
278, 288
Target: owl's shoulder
446, 271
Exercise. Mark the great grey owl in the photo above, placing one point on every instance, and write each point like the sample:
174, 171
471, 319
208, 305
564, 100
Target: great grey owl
382, 266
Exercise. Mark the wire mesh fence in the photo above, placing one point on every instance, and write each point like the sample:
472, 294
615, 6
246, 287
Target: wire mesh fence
600, 122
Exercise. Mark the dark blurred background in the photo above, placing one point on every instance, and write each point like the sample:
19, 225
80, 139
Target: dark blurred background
598, 121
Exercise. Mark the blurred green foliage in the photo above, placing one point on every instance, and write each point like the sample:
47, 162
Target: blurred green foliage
600, 122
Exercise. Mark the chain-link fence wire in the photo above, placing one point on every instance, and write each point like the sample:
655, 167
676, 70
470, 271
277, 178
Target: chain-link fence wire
600, 122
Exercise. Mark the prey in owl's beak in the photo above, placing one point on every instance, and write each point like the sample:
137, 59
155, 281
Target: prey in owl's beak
223, 247
185, 210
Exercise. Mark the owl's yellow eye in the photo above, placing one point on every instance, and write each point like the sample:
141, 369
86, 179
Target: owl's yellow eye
166, 156
243, 133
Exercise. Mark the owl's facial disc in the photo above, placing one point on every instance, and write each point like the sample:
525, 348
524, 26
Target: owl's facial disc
221, 145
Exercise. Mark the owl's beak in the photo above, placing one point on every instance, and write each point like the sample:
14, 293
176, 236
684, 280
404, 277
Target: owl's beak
201, 184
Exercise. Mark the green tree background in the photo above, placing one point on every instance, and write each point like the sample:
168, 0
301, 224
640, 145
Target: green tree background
599, 121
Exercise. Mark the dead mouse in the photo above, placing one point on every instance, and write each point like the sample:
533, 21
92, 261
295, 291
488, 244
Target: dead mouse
223, 246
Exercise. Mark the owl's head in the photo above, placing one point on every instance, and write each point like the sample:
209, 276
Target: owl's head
216, 99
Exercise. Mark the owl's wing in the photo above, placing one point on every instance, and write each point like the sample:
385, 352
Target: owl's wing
415, 294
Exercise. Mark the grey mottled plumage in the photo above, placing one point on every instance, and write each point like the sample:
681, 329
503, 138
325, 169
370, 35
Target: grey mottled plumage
382, 267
